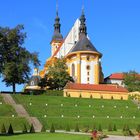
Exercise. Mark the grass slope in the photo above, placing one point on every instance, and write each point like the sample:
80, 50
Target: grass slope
46, 136
6, 117
62, 111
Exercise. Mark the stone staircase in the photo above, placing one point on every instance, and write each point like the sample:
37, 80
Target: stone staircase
20, 110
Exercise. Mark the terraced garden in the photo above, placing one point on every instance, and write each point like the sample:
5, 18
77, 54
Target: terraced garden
8, 115
85, 112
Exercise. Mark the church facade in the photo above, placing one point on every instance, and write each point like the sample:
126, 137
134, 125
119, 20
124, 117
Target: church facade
83, 61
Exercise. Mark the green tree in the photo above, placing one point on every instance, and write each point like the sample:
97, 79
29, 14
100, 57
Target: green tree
132, 81
10, 130
32, 129
15, 60
77, 128
3, 129
57, 75
24, 129
52, 129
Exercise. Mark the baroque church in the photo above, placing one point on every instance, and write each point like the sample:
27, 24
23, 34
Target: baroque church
83, 61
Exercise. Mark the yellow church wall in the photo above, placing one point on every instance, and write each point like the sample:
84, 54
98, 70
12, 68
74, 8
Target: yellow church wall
96, 94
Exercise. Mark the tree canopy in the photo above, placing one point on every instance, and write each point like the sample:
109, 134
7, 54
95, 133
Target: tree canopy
57, 75
15, 59
132, 81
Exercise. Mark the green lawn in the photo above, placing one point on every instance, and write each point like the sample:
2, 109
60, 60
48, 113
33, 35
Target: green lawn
6, 110
46, 136
8, 115
67, 114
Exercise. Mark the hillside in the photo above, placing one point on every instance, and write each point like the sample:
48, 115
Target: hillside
8, 115
86, 112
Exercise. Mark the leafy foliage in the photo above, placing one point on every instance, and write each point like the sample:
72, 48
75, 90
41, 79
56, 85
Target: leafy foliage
14, 58
132, 81
57, 76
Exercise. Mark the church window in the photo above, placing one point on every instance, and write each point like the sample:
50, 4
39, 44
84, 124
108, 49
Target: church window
88, 67
121, 98
32, 83
73, 70
88, 73
88, 58
88, 79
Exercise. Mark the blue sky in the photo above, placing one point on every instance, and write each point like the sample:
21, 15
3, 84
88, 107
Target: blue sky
113, 27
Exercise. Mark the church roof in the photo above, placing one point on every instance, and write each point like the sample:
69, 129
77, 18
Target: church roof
100, 87
57, 36
84, 44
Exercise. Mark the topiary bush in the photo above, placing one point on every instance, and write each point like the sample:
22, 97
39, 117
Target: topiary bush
68, 128
43, 129
100, 128
109, 127
114, 128
77, 128
10, 130
138, 128
3, 129
24, 129
52, 129
32, 129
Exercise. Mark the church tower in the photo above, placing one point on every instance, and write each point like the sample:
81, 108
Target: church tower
57, 36
83, 59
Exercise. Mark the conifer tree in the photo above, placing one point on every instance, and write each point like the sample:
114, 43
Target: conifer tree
114, 128
77, 128
3, 129
67, 128
32, 130
24, 129
138, 128
10, 130
109, 127
52, 129
100, 128
43, 129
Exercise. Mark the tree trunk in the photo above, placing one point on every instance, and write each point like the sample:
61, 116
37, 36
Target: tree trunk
14, 88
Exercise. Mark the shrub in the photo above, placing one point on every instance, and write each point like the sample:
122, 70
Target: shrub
94, 127
10, 130
127, 131
67, 128
54, 92
86, 129
32, 129
91, 96
100, 128
114, 128
3, 129
109, 127
77, 128
24, 129
52, 129
43, 129
138, 128
80, 96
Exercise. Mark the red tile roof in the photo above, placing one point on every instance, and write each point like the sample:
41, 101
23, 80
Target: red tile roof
100, 87
118, 76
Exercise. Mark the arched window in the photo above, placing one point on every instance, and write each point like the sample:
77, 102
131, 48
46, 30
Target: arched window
73, 70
